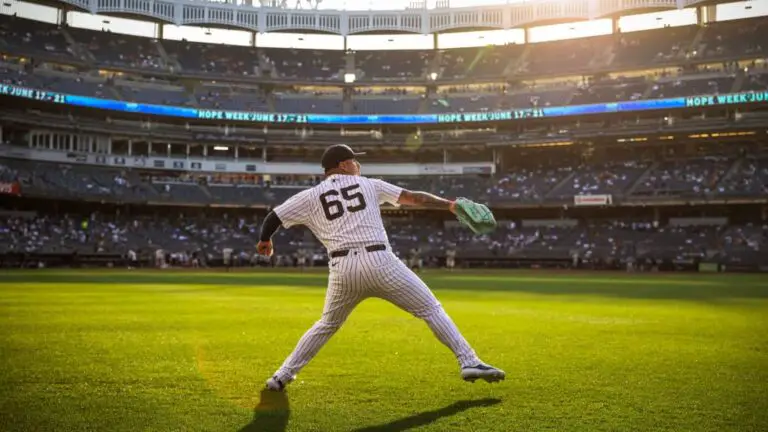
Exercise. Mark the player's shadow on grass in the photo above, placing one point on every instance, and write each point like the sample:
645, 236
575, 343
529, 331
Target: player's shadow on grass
428, 417
271, 414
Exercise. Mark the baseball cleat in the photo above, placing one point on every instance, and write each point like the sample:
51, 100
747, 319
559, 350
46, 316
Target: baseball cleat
275, 384
482, 371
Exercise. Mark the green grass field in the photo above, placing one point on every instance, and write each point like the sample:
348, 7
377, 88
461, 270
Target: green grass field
190, 351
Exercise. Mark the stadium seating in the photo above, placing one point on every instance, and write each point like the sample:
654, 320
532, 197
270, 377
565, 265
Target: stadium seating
742, 244
615, 240
756, 82
714, 175
566, 55
537, 98
640, 49
392, 65
692, 86
308, 104
306, 64
750, 178
485, 62
595, 241
610, 90
119, 50
610, 178
213, 58
386, 105
685, 177
527, 185
23, 35
232, 98
730, 38
161, 95
649, 47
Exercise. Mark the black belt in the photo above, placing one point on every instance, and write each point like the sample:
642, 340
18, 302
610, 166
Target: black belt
345, 252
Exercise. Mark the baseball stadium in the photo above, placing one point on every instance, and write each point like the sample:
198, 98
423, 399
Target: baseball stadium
573, 191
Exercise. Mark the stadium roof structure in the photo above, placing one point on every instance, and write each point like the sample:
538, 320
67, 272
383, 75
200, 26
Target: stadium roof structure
256, 18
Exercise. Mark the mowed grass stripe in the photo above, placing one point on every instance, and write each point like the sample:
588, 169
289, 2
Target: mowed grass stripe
541, 277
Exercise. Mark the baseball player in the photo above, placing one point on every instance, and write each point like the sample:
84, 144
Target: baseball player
343, 213
226, 256
160, 258
416, 262
301, 259
450, 258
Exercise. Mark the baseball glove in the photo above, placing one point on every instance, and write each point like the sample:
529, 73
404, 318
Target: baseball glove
478, 217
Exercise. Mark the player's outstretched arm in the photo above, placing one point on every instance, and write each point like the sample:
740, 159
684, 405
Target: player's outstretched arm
425, 200
268, 228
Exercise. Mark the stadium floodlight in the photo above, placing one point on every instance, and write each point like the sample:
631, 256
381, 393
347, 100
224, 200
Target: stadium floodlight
433, 76
221, 148
349, 78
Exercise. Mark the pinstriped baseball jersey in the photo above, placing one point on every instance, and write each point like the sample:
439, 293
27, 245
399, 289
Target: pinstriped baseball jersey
343, 211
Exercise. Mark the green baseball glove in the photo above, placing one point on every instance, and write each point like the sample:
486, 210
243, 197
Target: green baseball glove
478, 217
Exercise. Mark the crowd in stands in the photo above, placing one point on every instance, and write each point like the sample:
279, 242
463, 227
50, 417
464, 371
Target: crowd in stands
246, 98
20, 35
729, 38
207, 237
487, 62
697, 177
321, 65
119, 50
700, 176
387, 65
213, 59
720, 40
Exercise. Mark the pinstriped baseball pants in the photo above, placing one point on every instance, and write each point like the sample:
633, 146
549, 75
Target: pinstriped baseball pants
381, 274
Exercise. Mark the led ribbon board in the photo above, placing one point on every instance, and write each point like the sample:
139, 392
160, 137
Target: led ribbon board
372, 119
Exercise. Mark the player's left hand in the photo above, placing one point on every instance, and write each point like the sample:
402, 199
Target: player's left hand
265, 248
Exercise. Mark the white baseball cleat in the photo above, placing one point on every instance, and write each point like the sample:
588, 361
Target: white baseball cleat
275, 384
482, 371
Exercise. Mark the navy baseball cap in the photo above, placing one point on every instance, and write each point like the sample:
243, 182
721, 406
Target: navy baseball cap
336, 154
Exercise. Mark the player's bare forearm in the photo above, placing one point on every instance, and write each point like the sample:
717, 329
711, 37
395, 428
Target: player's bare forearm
424, 200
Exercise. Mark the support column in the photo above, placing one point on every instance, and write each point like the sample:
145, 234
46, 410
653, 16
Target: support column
264, 152
711, 14
205, 150
130, 147
160, 31
253, 39
237, 152
615, 25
